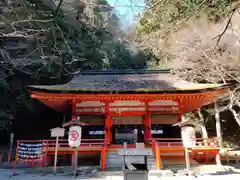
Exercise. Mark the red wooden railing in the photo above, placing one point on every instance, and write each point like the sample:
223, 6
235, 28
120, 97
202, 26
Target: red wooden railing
49, 148
177, 142
206, 148
85, 144
163, 147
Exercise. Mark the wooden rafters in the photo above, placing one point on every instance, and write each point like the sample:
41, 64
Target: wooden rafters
112, 97
188, 102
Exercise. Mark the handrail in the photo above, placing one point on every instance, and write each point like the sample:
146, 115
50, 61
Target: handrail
30, 141
180, 139
58, 140
200, 142
85, 143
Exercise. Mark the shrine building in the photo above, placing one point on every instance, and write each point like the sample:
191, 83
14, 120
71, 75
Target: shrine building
133, 106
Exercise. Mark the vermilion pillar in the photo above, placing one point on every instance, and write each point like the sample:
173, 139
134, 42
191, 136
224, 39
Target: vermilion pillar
147, 127
181, 109
108, 124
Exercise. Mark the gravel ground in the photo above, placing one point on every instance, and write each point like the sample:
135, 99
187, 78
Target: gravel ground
6, 174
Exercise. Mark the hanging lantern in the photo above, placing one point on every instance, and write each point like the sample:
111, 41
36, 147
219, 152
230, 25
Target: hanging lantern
74, 136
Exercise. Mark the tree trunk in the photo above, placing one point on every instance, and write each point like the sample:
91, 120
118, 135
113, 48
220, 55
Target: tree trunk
218, 131
218, 124
234, 112
203, 127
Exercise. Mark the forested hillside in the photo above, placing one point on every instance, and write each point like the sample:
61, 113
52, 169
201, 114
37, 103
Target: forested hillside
200, 40
49, 42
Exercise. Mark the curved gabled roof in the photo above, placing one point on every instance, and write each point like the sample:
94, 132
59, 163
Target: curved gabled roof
125, 81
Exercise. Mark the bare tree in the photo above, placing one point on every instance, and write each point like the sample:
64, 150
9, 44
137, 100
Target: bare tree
202, 124
203, 51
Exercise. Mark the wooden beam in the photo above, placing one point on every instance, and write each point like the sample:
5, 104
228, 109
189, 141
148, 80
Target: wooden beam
147, 124
113, 97
189, 101
181, 109
108, 123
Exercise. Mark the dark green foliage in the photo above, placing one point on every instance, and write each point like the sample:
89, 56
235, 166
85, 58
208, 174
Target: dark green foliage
51, 44
167, 14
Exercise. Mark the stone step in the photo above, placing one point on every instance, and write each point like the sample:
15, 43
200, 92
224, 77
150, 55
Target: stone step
113, 160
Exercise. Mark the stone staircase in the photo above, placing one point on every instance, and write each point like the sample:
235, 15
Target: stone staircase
151, 162
115, 161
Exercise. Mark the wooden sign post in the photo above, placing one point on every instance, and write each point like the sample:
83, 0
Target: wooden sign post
56, 132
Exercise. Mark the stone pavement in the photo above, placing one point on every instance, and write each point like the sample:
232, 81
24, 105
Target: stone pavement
206, 172
5, 176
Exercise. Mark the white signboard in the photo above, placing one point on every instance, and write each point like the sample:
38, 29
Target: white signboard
188, 136
74, 136
57, 132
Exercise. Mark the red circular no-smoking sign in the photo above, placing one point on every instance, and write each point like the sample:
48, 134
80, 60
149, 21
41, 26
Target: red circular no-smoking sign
74, 135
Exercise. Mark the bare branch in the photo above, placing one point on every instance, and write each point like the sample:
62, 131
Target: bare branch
227, 25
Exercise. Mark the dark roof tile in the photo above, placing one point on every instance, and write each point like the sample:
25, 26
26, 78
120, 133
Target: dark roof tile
126, 82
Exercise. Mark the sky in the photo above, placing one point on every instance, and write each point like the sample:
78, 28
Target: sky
127, 10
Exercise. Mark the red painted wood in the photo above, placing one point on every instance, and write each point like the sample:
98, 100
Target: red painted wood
108, 124
189, 102
147, 124
73, 106
113, 97
181, 109
93, 109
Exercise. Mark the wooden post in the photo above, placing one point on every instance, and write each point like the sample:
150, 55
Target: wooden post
55, 156
75, 162
15, 160
108, 124
153, 145
147, 126
124, 160
103, 157
46, 153
73, 159
158, 156
187, 159
55, 132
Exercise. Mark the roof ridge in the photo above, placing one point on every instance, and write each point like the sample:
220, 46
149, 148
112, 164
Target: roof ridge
124, 71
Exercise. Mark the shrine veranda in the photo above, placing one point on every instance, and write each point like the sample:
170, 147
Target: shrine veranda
134, 106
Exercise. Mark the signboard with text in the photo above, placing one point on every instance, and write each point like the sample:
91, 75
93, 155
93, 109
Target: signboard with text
57, 132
